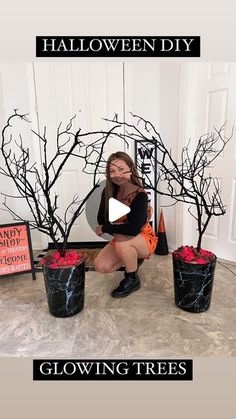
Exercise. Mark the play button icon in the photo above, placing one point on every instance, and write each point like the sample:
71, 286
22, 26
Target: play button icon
117, 209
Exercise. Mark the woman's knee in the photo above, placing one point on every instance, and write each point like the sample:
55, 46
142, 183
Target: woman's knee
101, 267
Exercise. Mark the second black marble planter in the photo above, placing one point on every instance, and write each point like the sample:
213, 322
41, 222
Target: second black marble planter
65, 289
193, 285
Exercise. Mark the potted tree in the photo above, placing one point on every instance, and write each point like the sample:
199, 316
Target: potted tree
188, 181
64, 269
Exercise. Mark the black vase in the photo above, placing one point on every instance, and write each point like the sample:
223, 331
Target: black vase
193, 285
65, 289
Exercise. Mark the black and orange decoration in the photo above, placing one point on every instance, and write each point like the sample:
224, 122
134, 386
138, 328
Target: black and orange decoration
162, 245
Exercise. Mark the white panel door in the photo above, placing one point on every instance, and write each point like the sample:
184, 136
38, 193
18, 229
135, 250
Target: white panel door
92, 91
142, 98
216, 104
17, 92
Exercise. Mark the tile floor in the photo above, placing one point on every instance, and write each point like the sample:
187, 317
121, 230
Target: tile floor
147, 324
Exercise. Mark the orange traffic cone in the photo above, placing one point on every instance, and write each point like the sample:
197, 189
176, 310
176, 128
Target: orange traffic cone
162, 246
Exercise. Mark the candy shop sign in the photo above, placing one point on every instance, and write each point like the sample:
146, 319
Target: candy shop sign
15, 249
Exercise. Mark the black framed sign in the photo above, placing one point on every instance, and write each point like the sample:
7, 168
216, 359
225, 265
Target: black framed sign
16, 256
145, 159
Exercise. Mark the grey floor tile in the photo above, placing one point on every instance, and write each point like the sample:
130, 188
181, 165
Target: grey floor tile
147, 324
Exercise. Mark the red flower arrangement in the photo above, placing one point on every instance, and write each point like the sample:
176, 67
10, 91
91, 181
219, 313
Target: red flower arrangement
190, 254
55, 260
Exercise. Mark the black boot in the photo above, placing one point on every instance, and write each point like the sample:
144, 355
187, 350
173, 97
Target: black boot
129, 284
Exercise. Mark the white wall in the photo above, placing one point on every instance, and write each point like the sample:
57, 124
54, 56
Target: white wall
151, 89
142, 98
169, 130
91, 91
17, 92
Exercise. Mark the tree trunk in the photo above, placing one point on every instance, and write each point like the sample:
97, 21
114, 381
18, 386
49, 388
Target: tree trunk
199, 241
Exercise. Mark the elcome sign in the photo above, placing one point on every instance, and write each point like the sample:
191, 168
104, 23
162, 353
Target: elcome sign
145, 159
15, 249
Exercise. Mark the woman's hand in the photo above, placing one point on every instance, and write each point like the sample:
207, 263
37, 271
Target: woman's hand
99, 231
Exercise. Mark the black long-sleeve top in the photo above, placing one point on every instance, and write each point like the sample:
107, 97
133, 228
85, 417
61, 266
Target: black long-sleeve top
136, 218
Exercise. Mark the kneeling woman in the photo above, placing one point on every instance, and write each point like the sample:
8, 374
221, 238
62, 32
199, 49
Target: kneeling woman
134, 238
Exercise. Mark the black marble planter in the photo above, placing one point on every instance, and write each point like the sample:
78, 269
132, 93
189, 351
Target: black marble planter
193, 285
65, 289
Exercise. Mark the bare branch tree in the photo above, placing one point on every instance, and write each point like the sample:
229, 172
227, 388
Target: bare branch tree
37, 185
189, 180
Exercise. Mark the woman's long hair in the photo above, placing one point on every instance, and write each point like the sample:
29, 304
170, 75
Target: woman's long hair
111, 188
